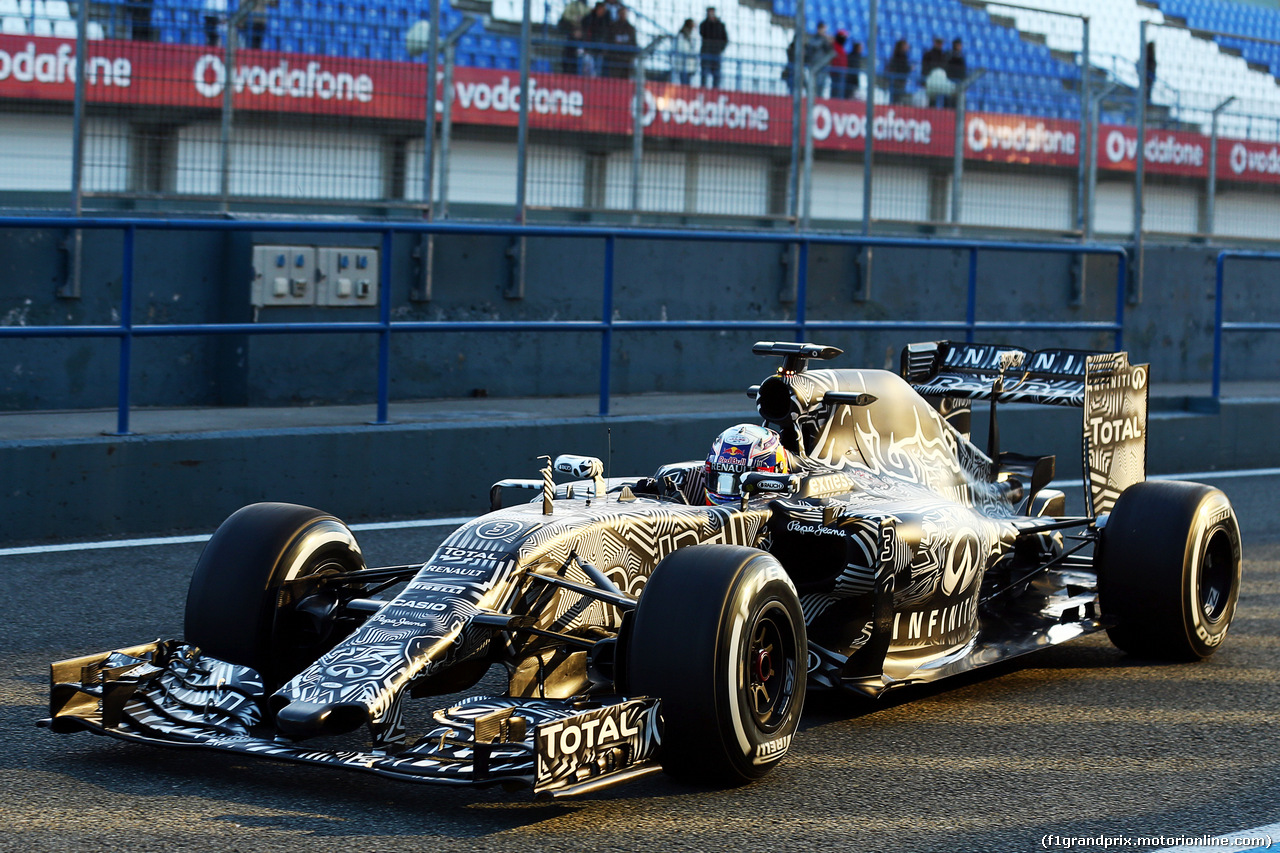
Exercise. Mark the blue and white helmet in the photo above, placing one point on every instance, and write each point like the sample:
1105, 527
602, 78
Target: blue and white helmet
738, 451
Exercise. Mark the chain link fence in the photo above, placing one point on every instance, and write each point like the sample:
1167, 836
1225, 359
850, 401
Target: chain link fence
981, 115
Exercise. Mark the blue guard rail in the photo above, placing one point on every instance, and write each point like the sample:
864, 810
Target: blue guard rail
801, 327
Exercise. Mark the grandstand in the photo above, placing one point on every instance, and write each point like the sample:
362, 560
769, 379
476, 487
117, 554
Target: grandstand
149, 137
1033, 59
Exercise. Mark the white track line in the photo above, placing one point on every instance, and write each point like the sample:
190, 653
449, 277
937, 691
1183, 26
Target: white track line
204, 537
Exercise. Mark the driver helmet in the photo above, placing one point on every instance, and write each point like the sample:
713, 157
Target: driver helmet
737, 451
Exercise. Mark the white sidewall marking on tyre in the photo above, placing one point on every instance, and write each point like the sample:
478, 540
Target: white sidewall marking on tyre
735, 689
315, 540
741, 615
1206, 521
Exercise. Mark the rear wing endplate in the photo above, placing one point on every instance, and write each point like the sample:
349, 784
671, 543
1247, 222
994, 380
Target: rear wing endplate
1111, 391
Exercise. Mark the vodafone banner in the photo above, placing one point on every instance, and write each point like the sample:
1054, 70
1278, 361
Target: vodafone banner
1248, 161
1004, 138
151, 74
1167, 152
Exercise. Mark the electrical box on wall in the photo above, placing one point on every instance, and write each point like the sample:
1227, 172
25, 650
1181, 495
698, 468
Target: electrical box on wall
346, 277
283, 275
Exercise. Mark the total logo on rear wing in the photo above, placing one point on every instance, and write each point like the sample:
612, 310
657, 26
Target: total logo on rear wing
1111, 391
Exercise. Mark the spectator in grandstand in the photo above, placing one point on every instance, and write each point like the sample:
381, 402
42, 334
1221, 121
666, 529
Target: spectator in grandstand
140, 28
215, 18
613, 7
840, 65
715, 38
938, 87
570, 27
252, 30
957, 68
256, 23
685, 63
574, 12
934, 57
1151, 68
816, 46
622, 46
595, 31
857, 64
822, 46
898, 70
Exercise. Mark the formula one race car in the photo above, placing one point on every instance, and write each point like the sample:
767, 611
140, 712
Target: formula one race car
856, 540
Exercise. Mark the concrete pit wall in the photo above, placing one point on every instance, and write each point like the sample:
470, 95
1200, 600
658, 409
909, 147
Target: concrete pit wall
193, 277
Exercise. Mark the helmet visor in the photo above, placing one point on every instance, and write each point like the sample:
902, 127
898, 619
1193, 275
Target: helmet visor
724, 483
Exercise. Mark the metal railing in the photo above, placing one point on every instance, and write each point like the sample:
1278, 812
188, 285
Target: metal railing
1220, 325
801, 326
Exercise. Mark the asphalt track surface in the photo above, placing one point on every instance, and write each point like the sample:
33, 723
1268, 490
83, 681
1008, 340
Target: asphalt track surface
1079, 741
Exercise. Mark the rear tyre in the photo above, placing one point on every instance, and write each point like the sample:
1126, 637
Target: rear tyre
1169, 570
242, 605
719, 637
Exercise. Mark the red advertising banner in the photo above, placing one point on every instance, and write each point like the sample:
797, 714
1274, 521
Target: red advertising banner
1001, 138
151, 74
1248, 161
1166, 152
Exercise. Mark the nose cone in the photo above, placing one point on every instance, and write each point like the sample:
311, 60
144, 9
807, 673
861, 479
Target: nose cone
299, 720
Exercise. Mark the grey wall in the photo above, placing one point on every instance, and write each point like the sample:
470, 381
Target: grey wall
107, 486
204, 277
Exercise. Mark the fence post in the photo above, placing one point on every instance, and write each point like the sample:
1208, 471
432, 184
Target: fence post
971, 303
1211, 190
795, 75
802, 290
867, 255
228, 96
522, 129
957, 163
70, 289
429, 125
126, 332
1217, 325
869, 138
1086, 113
1143, 95
606, 331
384, 334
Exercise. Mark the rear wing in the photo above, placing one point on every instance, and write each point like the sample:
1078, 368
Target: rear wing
1111, 391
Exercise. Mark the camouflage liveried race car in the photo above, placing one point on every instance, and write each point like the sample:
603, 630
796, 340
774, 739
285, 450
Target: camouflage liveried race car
856, 540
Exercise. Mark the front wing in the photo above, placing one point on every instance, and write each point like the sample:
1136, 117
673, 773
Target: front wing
167, 694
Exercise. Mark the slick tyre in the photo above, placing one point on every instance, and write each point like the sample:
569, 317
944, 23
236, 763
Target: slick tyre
719, 637
1169, 570
241, 605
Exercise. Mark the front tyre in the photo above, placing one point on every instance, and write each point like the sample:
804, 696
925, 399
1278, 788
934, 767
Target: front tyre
1169, 570
719, 637
255, 597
